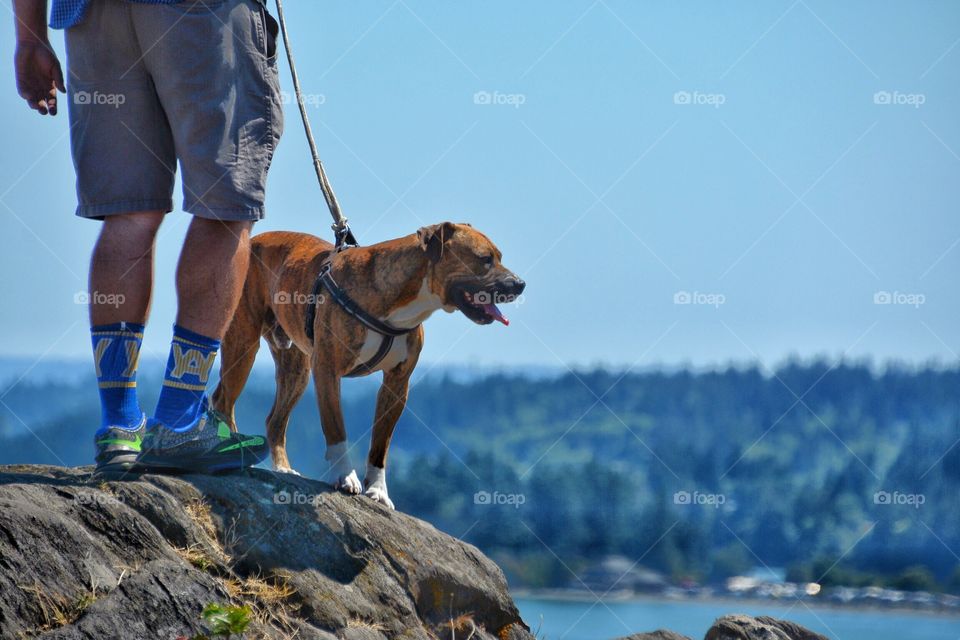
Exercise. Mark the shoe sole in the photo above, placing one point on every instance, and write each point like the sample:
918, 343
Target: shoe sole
160, 463
119, 465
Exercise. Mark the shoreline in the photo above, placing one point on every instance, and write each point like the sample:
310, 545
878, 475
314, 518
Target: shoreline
561, 595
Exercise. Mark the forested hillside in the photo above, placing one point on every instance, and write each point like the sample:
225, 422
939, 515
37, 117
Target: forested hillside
701, 474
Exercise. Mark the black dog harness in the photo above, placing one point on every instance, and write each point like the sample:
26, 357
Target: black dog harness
387, 333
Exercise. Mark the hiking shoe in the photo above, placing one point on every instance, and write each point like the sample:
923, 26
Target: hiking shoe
117, 448
208, 447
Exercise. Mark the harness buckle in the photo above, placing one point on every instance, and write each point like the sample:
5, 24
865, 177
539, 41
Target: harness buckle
343, 236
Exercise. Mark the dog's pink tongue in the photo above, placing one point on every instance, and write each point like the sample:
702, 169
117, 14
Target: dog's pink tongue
492, 310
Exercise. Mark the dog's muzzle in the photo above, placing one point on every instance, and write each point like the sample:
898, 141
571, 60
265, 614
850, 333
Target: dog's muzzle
478, 301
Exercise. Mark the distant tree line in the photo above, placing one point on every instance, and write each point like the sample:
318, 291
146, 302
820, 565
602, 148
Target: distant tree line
840, 474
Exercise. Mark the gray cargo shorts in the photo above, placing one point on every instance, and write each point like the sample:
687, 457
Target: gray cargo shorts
150, 84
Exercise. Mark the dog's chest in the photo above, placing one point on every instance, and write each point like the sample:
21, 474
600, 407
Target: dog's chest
371, 344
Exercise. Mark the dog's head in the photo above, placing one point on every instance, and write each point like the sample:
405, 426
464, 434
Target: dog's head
467, 273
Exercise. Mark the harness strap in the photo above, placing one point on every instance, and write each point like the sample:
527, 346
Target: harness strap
386, 343
325, 281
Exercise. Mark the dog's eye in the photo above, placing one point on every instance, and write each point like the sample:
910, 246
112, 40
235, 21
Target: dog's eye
488, 261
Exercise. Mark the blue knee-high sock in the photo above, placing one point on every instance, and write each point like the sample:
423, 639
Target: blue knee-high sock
188, 369
116, 349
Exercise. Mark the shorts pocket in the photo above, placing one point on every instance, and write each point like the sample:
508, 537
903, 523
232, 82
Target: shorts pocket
271, 31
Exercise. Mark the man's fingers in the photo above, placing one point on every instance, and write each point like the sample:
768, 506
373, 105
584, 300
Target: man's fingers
41, 99
41, 103
58, 77
51, 100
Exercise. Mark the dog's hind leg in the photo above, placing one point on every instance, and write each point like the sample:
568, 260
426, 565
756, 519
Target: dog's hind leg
237, 354
293, 374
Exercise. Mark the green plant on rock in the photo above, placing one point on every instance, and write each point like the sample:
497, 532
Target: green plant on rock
225, 621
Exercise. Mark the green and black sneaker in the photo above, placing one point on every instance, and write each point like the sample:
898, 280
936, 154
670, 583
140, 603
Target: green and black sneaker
117, 448
208, 447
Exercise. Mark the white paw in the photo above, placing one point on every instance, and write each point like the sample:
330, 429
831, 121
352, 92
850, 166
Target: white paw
341, 474
379, 494
376, 483
349, 483
286, 470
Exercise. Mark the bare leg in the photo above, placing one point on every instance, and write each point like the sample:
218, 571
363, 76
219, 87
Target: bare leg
121, 270
210, 275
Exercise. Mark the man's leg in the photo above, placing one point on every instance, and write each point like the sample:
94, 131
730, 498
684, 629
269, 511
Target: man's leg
121, 281
188, 436
122, 265
210, 275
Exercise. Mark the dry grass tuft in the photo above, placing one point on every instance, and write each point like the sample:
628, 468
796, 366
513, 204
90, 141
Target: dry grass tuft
56, 610
199, 511
196, 556
463, 625
360, 623
267, 599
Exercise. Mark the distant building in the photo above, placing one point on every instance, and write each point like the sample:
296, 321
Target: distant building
617, 573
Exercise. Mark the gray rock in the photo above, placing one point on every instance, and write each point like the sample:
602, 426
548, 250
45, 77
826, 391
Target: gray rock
741, 627
82, 559
659, 634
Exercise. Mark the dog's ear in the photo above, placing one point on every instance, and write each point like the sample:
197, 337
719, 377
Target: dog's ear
433, 237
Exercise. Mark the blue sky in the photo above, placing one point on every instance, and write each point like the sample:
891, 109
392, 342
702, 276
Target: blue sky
783, 163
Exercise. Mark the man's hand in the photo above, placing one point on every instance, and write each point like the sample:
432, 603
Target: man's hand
38, 75
37, 68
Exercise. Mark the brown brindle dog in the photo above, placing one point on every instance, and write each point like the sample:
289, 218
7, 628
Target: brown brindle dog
400, 282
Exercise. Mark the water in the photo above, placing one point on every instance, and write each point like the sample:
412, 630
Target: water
575, 620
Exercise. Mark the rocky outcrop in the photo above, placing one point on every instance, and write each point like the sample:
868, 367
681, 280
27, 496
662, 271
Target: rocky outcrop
740, 627
141, 558
659, 634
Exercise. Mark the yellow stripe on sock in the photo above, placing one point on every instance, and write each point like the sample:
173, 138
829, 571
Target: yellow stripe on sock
205, 347
122, 334
118, 385
183, 385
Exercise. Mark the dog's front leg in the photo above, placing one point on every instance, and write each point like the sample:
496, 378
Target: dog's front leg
341, 474
391, 399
